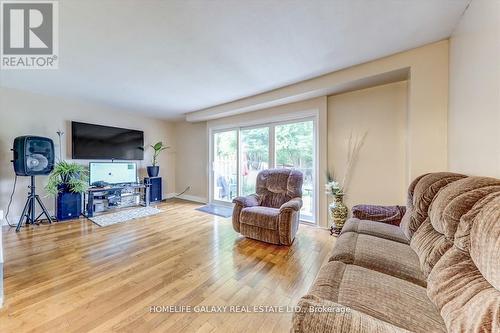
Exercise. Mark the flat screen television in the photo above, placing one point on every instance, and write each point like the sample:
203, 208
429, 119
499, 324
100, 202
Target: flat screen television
97, 142
113, 172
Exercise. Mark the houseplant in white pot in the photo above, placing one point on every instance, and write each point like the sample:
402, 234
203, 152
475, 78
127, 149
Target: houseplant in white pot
153, 170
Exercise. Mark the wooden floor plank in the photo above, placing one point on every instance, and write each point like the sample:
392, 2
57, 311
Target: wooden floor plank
78, 277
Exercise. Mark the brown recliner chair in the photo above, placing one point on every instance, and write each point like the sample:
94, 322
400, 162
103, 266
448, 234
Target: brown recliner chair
272, 214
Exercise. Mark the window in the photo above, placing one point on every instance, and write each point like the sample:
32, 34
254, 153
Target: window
254, 156
295, 149
239, 154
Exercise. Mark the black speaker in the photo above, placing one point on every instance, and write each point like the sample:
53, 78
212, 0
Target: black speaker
68, 205
154, 188
33, 156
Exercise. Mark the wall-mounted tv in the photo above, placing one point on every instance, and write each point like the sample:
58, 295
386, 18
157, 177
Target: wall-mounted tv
97, 142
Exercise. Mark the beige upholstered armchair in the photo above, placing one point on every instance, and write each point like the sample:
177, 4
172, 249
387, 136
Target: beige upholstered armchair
272, 214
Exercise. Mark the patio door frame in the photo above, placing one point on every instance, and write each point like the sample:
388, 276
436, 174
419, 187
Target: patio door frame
271, 123
211, 164
271, 148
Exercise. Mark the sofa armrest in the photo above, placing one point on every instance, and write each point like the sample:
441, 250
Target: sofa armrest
320, 315
239, 204
289, 220
248, 201
293, 204
385, 214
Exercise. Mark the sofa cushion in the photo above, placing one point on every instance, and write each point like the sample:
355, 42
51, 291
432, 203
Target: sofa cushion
425, 189
464, 283
456, 200
466, 300
277, 186
429, 245
405, 220
378, 229
436, 234
485, 242
462, 236
387, 298
386, 256
411, 191
385, 214
262, 217
337, 318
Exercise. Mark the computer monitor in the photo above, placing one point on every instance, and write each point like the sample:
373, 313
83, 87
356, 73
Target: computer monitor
113, 172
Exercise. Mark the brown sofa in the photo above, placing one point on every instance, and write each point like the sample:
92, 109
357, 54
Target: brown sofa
272, 214
438, 271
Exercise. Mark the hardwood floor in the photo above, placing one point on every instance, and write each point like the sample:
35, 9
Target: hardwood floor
78, 277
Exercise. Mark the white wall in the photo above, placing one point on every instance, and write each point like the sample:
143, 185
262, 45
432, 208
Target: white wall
23, 113
379, 175
191, 156
474, 113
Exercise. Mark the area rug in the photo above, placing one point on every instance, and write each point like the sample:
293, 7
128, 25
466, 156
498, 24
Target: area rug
219, 210
124, 216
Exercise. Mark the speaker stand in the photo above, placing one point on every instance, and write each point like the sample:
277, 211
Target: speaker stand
29, 208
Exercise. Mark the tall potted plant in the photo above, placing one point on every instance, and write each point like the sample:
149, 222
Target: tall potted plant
68, 180
154, 169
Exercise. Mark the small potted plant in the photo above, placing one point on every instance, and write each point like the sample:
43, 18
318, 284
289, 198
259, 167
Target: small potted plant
154, 169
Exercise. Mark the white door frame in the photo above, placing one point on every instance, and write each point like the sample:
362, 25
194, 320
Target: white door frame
211, 164
270, 157
315, 202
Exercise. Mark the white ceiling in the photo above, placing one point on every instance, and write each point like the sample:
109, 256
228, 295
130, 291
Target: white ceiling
167, 58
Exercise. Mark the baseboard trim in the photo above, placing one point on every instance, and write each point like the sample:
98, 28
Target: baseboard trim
13, 220
170, 195
187, 197
193, 198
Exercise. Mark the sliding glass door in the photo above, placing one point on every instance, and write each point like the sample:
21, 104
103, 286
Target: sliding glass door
238, 155
254, 144
294, 147
225, 165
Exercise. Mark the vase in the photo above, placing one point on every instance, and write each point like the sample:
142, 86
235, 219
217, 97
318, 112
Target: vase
153, 171
338, 212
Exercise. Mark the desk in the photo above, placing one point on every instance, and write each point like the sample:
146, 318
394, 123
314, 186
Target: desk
114, 196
